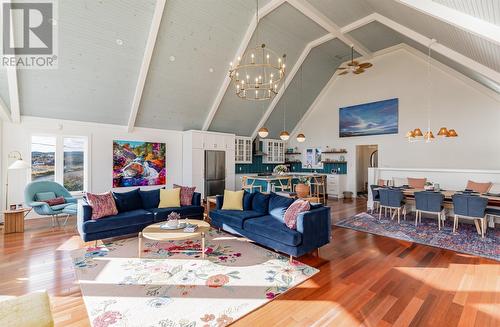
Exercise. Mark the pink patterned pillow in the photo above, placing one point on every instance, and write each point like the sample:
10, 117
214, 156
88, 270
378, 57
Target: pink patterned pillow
103, 205
293, 211
186, 194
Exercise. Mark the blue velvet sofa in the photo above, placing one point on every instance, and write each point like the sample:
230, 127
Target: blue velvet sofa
136, 210
262, 221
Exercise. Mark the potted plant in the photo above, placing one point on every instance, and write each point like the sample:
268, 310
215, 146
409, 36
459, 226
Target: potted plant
303, 187
429, 186
173, 219
281, 169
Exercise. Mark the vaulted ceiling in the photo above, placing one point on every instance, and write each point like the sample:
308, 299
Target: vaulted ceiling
102, 47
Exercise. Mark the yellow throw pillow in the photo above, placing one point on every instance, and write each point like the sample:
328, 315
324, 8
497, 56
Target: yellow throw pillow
170, 198
233, 200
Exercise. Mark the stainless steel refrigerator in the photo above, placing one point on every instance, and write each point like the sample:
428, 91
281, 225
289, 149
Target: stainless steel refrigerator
215, 172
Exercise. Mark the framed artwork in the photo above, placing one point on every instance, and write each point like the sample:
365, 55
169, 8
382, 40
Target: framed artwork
137, 163
374, 118
313, 158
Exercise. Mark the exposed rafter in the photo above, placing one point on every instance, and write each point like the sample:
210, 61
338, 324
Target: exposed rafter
146, 60
264, 11
358, 23
441, 49
4, 112
290, 77
317, 16
479, 27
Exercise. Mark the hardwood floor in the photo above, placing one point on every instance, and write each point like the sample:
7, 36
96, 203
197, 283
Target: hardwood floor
364, 280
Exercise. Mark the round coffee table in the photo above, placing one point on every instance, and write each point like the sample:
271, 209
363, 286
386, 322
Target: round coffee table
155, 233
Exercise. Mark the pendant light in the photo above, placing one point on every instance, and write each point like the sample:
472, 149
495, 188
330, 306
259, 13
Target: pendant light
263, 132
301, 137
284, 135
428, 136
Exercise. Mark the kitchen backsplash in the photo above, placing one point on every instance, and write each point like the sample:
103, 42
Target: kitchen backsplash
258, 167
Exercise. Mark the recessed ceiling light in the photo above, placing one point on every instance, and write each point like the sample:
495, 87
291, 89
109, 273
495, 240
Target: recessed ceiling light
211, 70
171, 58
119, 41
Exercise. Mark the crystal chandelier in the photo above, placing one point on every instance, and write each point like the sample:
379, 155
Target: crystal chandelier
258, 73
416, 134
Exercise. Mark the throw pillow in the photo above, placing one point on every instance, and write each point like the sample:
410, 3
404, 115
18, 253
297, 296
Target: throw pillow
233, 200
128, 201
55, 201
247, 200
186, 194
170, 198
293, 212
417, 182
150, 199
278, 205
44, 196
495, 188
381, 182
260, 203
103, 205
478, 187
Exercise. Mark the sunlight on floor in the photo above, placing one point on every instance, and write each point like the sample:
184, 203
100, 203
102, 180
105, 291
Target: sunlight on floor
73, 243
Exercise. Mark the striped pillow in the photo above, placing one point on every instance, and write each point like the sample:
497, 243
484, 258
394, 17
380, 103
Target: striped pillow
293, 211
186, 194
103, 205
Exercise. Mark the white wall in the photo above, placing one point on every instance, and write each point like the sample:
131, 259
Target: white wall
457, 102
101, 136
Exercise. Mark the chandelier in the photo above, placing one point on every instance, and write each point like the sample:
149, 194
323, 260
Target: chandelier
416, 134
257, 74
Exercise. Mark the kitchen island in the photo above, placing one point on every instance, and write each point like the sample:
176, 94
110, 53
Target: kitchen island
267, 182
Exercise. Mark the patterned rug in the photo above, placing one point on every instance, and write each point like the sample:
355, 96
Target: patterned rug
180, 289
465, 240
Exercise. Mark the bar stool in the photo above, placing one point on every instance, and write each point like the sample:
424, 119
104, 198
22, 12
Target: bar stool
249, 186
472, 207
284, 185
431, 203
375, 197
317, 189
392, 199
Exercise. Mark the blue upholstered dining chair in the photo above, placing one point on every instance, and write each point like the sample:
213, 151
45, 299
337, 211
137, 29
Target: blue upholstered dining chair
431, 203
36, 193
392, 199
472, 207
375, 197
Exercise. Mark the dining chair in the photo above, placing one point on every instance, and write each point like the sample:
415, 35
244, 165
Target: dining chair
430, 203
375, 197
392, 199
472, 207
250, 186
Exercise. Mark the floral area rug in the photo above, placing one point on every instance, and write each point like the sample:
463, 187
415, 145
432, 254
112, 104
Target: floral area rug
465, 240
164, 288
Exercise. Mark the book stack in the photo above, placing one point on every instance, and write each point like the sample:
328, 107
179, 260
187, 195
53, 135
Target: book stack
190, 228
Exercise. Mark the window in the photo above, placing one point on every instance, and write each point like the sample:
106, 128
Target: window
43, 158
74, 155
62, 159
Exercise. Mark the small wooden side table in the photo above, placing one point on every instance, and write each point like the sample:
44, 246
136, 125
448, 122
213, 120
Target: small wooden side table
14, 220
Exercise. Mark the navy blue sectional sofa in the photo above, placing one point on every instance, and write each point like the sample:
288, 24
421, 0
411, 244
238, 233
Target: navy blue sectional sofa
136, 210
262, 221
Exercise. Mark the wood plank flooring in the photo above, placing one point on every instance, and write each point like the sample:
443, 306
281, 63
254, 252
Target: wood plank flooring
364, 280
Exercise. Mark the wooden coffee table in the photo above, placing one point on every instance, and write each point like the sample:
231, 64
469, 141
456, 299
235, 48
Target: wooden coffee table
155, 233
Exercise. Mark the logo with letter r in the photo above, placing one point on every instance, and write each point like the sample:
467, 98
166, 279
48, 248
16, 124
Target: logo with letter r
27, 28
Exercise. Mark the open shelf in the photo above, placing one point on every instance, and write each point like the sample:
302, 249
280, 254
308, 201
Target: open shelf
333, 162
326, 152
292, 153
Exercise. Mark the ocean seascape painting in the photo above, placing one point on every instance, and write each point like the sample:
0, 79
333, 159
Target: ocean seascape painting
137, 163
374, 118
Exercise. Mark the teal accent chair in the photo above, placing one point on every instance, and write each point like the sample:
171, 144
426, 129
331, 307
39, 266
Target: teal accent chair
36, 192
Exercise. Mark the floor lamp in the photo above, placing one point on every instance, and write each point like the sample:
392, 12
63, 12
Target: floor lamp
16, 165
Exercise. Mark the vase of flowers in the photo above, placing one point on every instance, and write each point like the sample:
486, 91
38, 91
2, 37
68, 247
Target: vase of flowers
303, 187
429, 186
173, 219
281, 169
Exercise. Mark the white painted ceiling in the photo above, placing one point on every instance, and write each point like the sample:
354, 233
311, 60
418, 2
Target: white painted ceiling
97, 77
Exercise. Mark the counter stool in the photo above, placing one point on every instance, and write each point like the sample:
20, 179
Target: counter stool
249, 186
317, 189
283, 185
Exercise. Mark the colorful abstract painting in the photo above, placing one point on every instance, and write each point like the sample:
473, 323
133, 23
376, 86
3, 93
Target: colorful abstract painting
374, 118
137, 163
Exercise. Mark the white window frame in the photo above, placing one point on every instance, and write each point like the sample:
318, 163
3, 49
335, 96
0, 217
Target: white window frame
59, 159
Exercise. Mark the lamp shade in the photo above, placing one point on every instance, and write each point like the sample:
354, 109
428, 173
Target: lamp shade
417, 132
19, 164
284, 135
452, 133
443, 131
301, 138
263, 132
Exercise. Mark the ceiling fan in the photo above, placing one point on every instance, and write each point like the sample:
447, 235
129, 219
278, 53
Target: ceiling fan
354, 66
